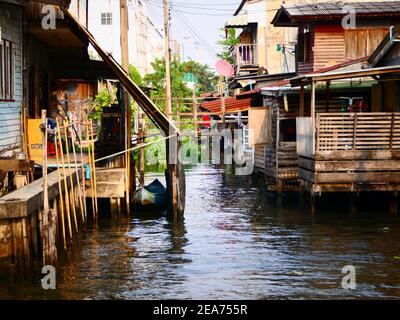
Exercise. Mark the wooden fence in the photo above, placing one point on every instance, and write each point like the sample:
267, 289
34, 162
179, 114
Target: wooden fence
357, 131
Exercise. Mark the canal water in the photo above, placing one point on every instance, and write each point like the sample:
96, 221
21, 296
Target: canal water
236, 242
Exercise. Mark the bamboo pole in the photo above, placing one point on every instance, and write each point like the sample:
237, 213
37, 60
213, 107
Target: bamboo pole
94, 170
61, 207
65, 182
45, 213
78, 182
83, 173
90, 167
71, 179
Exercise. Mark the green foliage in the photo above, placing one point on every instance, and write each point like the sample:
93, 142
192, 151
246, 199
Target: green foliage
227, 43
206, 79
135, 75
102, 100
156, 81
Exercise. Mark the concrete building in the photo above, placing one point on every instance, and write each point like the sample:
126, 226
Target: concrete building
145, 41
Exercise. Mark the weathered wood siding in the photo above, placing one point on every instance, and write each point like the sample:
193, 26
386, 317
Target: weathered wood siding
259, 158
329, 46
10, 111
280, 156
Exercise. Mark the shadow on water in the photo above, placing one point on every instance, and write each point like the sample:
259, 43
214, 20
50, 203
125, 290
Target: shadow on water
236, 242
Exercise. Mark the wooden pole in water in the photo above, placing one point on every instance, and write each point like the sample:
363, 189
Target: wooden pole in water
94, 170
71, 180
45, 215
65, 182
61, 207
78, 180
83, 172
90, 166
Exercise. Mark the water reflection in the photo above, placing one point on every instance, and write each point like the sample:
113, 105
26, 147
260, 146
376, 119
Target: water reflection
235, 242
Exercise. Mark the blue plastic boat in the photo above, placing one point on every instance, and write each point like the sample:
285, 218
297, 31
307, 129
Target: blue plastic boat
152, 195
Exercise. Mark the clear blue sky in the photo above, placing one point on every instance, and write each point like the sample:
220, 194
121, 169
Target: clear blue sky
196, 24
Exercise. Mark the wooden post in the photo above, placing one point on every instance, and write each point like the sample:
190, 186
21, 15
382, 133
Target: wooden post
71, 179
125, 66
94, 171
302, 101
45, 215
221, 78
393, 204
65, 182
327, 95
61, 206
313, 112
88, 139
78, 183
142, 135
168, 94
83, 171
195, 110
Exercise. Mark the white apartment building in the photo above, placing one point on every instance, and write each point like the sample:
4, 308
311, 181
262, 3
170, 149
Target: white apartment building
145, 41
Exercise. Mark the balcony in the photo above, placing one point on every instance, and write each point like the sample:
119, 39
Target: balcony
245, 58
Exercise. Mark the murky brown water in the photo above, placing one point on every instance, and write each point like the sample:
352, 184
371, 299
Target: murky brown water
235, 243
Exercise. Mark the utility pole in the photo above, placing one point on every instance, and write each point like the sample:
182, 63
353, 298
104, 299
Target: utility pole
125, 66
168, 104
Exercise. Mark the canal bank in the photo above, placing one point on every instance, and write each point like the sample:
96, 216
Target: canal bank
235, 242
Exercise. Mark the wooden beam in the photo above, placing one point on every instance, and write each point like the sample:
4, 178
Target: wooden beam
15, 165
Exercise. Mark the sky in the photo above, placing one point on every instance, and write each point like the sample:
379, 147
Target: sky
195, 25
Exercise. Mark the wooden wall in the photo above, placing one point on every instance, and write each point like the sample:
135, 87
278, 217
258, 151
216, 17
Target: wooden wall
332, 45
10, 111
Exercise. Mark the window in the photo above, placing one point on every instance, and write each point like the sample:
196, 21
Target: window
106, 18
287, 130
6, 70
304, 45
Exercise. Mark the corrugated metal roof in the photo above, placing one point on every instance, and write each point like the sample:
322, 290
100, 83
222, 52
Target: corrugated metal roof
232, 105
336, 8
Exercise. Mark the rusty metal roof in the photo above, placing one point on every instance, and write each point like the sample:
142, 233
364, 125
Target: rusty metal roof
232, 105
336, 8
288, 13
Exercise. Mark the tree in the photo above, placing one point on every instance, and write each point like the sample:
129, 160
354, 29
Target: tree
227, 43
156, 81
206, 79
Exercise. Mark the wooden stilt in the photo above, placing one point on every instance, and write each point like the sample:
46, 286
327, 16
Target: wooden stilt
313, 202
61, 200
94, 170
78, 182
71, 179
353, 202
393, 204
83, 174
91, 168
68, 212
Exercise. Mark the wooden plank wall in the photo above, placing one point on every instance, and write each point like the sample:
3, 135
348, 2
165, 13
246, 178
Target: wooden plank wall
10, 111
329, 46
333, 45
305, 134
259, 158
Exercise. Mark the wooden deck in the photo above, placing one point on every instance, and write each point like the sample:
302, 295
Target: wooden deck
350, 152
23, 202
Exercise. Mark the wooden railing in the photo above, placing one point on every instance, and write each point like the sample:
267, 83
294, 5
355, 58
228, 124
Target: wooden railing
357, 131
245, 55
